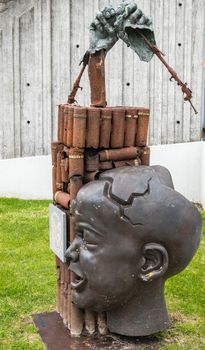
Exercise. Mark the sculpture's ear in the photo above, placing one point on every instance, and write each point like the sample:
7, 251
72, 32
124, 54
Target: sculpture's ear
155, 262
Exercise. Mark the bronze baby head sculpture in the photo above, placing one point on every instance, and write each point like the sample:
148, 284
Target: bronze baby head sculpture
133, 231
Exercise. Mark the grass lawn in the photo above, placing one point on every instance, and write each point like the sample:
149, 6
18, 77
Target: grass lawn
27, 283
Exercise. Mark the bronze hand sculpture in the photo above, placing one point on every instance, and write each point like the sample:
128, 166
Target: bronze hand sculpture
131, 25
111, 25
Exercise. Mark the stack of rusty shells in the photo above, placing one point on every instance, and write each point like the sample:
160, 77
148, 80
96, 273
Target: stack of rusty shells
90, 141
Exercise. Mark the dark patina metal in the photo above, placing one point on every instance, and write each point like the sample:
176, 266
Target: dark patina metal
133, 232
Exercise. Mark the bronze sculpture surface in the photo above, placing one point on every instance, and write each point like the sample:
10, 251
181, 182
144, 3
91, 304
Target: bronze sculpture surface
133, 232
131, 229
112, 24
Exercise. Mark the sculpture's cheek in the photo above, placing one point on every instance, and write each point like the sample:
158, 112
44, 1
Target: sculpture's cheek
109, 281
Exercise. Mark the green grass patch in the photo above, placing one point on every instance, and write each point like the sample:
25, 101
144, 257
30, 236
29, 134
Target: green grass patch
28, 283
27, 276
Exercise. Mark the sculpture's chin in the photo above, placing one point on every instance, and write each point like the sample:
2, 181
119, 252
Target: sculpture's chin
87, 299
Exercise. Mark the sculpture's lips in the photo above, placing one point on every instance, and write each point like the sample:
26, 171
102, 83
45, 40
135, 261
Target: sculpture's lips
78, 284
80, 280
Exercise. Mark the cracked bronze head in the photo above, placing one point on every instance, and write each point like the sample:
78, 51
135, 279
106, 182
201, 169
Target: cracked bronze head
133, 231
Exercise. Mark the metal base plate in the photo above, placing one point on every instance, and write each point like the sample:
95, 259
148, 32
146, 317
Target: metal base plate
57, 337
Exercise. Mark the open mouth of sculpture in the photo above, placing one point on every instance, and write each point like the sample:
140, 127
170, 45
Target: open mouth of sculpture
79, 281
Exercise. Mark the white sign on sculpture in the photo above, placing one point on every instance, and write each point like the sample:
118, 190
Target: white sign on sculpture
57, 225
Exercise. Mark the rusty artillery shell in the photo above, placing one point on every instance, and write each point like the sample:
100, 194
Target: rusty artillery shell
133, 162
55, 147
65, 125
60, 123
76, 182
63, 199
96, 72
76, 162
79, 126
61, 288
65, 292
105, 128
66, 164
68, 125
118, 128
91, 176
90, 321
137, 162
64, 173
102, 323
93, 128
77, 321
130, 127
76, 315
59, 183
66, 151
67, 314
69, 306
58, 284
119, 154
145, 158
54, 174
68, 188
142, 128
91, 161
106, 165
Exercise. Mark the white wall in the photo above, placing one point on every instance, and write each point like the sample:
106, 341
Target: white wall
30, 178
184, 162
26, 178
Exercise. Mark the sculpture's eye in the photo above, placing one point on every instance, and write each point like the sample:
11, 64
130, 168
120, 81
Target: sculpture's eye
90, 238
79, 233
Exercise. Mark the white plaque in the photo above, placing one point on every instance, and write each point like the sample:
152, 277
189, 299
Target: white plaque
58, 231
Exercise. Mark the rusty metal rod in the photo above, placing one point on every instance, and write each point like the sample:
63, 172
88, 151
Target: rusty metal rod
159, 54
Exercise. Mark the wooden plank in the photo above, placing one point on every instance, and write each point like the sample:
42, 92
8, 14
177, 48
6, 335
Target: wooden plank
179, 67
158, 74
171, 60
27, 82
146, 66
64, 37
46, 76
198, 28
61, 56
55, 67
108, 62
77, 42
187, 64
151, 89
90, 11
165, 75
17, 92
14, 12
114, 75
7, 65
128, 78
38, 31
141, 71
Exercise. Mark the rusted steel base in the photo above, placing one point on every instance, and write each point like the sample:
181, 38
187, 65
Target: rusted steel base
56, 336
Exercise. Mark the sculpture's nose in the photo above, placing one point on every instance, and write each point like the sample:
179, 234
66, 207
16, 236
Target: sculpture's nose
72, 253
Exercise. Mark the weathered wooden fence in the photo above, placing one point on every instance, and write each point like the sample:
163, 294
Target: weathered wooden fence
41, 44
